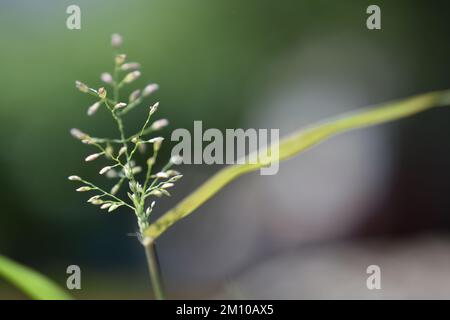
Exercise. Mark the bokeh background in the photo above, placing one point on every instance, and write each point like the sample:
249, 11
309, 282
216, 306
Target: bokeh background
376, 196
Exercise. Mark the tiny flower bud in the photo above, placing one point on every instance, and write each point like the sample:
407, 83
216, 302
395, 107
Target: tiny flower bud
106, 77
78, 134
105, 169
120, 105
74, 178
176, 178
83, 189
130, 66
113, 207
136, 170
134, 95
116, 40
167, 185
122, 151
93, 198
172, 173
101, 93
156, 193
165, 192
156, 143
154, 108
115, 189
150, 161
93, 156
135, 140
93, 109
81, 86
130, 77
155, 140
88, 140
106, 206
152, 204
120, 58
111, 174
149, 89
96, 202
162, 175
142, 148
159, 124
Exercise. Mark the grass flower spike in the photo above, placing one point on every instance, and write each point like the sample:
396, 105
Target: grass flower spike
121, 164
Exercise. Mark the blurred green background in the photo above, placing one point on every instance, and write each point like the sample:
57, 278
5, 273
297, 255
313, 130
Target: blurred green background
229, 64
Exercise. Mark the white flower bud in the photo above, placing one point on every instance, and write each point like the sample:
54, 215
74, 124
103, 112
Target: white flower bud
93, 156
134, 95
113, 207
115, 189
130, 77
120, 105
142, 148
120, 58
154, 108
156, 143
165, 192
78, 134
105, 169
93, 198
74, 178
152, 204
130, 66
136, 170
176, 178
106, 206
101, 93
122, 151
81, 86
156, 193
172, 173
150, 161
116, 40
83, 189
156, 140
111, 174
159, 124
93, 109
162, 175
167, 185
149, 89
106, 77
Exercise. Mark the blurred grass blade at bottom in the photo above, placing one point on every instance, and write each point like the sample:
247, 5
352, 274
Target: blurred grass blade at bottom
30, 282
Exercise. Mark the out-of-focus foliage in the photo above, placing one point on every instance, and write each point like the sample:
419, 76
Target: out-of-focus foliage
296, 143
32, 283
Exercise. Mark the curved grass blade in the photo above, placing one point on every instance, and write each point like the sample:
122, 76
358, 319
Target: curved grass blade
298, 142
32, 283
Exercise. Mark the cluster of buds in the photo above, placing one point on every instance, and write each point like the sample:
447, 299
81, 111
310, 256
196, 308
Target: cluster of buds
119, 153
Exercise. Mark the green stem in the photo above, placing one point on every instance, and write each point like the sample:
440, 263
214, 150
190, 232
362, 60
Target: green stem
153, 268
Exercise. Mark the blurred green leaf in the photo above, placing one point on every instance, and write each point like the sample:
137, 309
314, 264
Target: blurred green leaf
30, 282
298, 142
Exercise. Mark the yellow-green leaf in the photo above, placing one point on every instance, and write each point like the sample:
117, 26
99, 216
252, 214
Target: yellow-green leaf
30, 282
298, 142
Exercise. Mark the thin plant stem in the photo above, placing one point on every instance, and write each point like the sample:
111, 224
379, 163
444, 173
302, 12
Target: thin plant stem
154, 268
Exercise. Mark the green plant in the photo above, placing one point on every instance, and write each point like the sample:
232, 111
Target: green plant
120, 154
128, 171
30, 282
